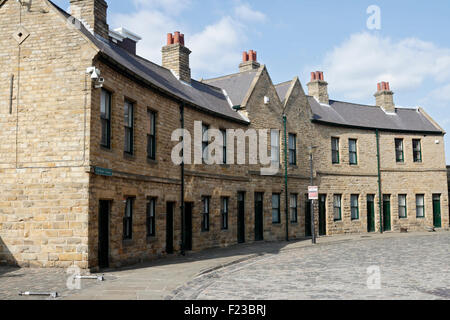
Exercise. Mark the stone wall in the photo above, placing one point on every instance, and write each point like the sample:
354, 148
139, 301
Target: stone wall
44, 140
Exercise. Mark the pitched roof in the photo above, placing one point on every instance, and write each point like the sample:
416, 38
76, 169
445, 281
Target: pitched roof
282, 89
371, 117
235, 85
203, 96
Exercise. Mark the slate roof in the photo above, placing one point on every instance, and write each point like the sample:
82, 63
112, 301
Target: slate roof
235, 85
203, 96
209, 97
371, 117
282, 89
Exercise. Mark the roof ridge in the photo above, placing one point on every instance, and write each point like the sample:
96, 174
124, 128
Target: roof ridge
230, 75
285, 82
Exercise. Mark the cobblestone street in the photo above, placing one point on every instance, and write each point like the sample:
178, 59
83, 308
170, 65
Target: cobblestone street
413, 266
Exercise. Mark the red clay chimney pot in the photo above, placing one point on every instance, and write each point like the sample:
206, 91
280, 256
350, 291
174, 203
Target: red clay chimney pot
169, 39
177, 37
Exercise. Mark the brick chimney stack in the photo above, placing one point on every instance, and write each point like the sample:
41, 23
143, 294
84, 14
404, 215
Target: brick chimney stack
93, 14
249, 61
318, 87
385, 97
175, 56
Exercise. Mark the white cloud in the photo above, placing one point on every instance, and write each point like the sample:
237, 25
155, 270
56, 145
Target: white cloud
247, 14
215, 49
359, 63
152, 26
172, 7
439, 98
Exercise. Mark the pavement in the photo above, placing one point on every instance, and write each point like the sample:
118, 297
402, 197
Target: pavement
408, 266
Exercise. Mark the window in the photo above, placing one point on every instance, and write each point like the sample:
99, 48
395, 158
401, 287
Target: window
417, 150
128, 220
151, 217
276, 216
128, 123
335, 150
420, 206
275, 146
402, 213
105, 118
293, 206
337, 207
399, 155
224, 141
353, 153
354, 206
205, 141
205, 216
224, 211
151, 136
292, 149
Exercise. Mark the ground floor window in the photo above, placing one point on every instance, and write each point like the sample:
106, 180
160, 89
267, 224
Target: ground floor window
224, 211
420, 206
151, 217
402, 213
337, 207
128, 219
293, 207
205, 217
354, 203
276, 216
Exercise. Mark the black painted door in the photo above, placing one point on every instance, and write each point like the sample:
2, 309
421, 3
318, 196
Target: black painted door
308, 232
241, 217
103, 234
188, 216
370, 213
169, 227
322, 215
259, 224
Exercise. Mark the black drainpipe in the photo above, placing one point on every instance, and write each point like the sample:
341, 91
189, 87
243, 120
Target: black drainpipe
182, 207
380, 195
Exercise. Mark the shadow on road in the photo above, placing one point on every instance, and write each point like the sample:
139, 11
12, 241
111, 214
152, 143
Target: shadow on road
238, 251
7, 261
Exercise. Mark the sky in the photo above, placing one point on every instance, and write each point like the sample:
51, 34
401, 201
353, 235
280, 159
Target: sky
406, 44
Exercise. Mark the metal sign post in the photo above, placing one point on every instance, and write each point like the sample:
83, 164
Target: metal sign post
313, 194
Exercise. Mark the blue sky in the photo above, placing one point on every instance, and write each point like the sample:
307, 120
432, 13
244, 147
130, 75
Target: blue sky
294, 37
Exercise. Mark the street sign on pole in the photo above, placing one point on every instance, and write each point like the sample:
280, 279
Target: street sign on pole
313, 193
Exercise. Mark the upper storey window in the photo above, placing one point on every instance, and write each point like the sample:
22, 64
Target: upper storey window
129, 127
105, 118
417, 150
399, 154
335, 150
353, 151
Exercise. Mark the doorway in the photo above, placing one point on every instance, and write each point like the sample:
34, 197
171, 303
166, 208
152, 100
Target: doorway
370, 213
241, 217
437, 221
169, 227
308, 232
387, 212
323, 215
103, 233
259, 224
188, 227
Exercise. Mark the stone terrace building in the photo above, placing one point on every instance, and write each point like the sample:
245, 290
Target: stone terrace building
86, 149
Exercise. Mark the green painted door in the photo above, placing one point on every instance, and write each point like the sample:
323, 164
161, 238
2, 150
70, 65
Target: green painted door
259, 224
308, 219
322, 215
370, 213
437, 211
386, 212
